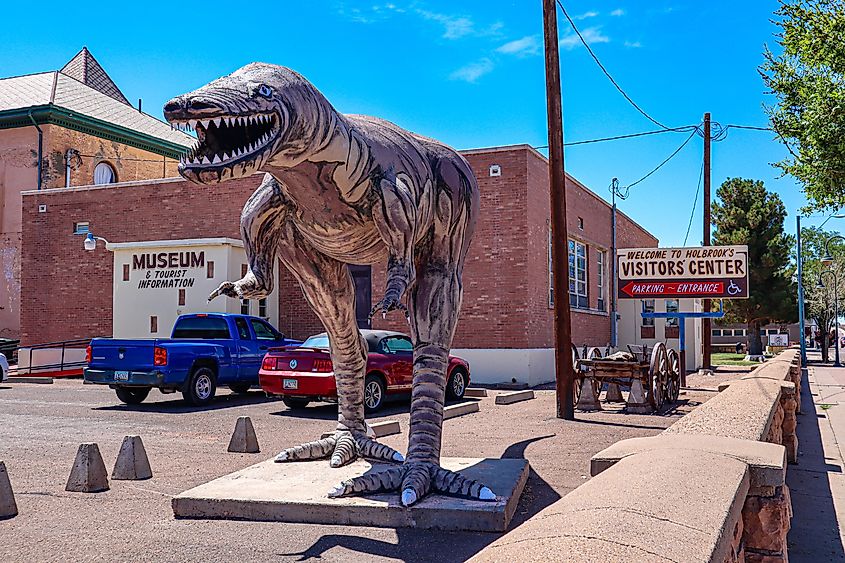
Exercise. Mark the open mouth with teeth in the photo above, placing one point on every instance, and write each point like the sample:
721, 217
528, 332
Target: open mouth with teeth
227, 140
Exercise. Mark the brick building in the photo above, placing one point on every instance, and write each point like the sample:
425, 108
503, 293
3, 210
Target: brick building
69, 127
505, 328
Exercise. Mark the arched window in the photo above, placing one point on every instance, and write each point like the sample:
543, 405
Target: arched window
104, 174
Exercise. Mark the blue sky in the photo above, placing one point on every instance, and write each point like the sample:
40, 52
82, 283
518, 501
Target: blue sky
469, 73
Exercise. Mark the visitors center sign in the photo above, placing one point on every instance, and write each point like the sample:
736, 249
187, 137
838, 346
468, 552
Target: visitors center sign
711, 272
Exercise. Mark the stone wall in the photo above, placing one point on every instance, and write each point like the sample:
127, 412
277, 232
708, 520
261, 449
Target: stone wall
709, 488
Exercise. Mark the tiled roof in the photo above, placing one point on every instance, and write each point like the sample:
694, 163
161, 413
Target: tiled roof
62, 90
85, 68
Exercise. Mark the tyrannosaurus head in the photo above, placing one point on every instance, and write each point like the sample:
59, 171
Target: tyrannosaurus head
241, 120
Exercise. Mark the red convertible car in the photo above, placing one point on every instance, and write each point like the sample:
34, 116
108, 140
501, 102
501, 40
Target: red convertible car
304, 373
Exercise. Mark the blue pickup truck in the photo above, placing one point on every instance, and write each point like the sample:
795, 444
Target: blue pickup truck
204, 351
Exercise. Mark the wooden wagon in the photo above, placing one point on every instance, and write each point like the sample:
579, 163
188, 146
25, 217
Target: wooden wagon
658, 371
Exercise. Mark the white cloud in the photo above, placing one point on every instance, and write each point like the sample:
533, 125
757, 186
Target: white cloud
524, 47
592, 35
633, 44
617, 12
473, 71
454, 27
585, 15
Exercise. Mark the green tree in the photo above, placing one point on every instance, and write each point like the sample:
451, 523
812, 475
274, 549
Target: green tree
746, 213
819, 298
808, 79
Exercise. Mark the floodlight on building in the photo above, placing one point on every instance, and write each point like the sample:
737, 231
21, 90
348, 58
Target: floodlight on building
90, 242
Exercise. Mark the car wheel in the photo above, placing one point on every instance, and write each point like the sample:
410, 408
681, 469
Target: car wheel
373, 393
457, 385
295, 404
200, 387
132, 395
240, 388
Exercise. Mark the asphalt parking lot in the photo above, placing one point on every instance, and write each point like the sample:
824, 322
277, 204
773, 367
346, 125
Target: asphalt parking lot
41, 427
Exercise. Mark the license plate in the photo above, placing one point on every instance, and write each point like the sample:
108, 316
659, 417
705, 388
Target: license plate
290, 384
121, 375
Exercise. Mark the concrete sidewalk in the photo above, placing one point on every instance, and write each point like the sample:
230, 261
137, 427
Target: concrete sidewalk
817, 483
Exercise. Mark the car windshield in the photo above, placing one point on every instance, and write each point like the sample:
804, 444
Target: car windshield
317, 341
203, 328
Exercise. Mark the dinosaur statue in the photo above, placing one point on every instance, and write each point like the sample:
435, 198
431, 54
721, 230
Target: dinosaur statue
337, 190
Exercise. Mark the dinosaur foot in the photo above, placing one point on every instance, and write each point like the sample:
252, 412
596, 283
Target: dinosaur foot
342, 447
415, 480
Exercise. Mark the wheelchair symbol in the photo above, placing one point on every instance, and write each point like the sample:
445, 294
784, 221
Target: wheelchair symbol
733, 289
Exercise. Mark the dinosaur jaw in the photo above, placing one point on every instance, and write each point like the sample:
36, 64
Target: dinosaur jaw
228, 146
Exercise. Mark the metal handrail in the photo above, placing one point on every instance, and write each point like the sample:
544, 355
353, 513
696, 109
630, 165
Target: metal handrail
62, 365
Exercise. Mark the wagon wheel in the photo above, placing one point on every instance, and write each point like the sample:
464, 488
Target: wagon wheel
594, 353
576, 388
673, 389
658, 375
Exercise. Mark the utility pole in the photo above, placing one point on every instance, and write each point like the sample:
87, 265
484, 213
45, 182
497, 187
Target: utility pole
564, 374
705, 323
799, 254
614, 335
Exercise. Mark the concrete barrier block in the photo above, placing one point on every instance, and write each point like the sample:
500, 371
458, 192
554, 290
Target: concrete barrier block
8, 508
47, 380
475, 392
637, 403
386, 428
88, 474
460, 409
514, 397
243, 438
132, 463
614, 393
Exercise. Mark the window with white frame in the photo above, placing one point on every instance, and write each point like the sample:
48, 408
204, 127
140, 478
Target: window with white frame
648, 307
81, 228
244, 306
104, 174
717, 332
601, 265
672, 307
578, 275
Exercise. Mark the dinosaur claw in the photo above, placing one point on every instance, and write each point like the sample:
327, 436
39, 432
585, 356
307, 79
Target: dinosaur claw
409, 497
486, 494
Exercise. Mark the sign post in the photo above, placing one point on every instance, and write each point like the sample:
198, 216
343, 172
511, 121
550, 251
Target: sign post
716, 272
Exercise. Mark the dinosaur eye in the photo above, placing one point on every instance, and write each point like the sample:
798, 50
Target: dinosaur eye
265, 90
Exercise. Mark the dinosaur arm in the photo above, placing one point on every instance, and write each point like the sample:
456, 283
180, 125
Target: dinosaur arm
395, 217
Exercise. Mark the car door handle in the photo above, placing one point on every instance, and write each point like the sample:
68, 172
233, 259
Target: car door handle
262, 347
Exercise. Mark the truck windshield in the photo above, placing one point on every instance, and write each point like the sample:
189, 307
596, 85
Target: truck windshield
204, 328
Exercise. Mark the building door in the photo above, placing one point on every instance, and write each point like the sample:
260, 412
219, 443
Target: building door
362, 276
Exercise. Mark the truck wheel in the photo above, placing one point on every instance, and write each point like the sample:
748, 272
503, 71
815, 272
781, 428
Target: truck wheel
457, 385
132, 395
200, 388
240, 388
295, 404
373, 393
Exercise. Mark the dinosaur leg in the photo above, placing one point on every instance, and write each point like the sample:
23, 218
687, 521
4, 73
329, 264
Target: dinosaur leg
434, 303
329, 289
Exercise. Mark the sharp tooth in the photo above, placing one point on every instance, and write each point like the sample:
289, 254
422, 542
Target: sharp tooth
216, 159
205, 160
192, 123
226, 156
204, 123
241, 121
230, 121
217, 121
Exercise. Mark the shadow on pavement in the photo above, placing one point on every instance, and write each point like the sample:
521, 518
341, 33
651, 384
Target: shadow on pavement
814, 535
328, 411
417, 546
179, 406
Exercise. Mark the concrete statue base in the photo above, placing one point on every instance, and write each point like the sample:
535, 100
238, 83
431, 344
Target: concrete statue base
296, 492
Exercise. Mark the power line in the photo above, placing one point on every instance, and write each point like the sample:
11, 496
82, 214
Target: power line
694, 203
682, 129
655, 169
605, 71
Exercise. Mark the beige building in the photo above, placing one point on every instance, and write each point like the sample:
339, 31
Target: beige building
156, 281
636, 330
69, 127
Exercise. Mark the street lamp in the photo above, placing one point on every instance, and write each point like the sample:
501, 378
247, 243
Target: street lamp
828, 257
90, 242
821, 285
